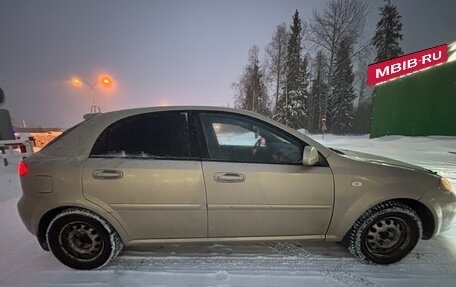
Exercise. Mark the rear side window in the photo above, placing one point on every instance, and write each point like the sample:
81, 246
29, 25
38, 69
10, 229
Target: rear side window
61, 136
153, 135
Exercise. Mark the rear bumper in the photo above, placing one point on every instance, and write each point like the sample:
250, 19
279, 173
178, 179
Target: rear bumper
25, 213
28, 208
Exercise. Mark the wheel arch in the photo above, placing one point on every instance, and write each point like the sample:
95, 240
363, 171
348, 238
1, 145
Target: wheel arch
46, 219
424, 213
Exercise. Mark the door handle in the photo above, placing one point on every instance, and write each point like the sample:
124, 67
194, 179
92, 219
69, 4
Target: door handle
229, 177
107, 174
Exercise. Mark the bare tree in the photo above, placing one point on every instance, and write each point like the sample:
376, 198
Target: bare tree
251, 93
276, 59
340, 19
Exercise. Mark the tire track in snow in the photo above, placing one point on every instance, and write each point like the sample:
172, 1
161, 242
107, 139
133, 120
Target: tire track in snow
288, 249
333, 273
348, 278
425, 262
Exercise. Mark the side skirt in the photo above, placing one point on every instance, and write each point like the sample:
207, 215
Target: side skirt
145, 242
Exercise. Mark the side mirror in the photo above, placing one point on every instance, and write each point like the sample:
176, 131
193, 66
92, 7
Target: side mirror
310, 155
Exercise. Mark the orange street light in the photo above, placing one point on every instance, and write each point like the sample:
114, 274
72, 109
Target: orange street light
75, 81
106, 82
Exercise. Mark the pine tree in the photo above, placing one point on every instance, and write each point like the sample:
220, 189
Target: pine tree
361, 124
340, 103
318, 93
251, 89
292, 104
282, 107
304, 92
388, 33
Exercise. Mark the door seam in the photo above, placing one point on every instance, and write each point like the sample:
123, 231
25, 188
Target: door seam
205, 194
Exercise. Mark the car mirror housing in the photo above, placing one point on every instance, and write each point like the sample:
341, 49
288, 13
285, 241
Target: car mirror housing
310, 155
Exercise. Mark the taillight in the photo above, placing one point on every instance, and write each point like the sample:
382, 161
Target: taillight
22, 169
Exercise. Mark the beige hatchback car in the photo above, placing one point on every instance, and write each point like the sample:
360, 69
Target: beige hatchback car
199, 174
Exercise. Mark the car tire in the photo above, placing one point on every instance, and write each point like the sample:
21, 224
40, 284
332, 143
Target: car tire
81, 239
384, 234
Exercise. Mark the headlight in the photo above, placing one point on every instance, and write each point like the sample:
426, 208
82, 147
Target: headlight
445, 185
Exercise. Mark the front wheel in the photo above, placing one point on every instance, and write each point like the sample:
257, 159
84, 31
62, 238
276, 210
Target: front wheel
81, 239
384, 234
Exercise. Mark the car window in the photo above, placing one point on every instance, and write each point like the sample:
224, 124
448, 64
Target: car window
228, 134
241, 139
154, 135
60, 137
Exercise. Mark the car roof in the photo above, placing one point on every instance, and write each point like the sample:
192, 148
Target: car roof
177, 108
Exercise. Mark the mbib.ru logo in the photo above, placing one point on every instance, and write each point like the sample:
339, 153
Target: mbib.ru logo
403, 65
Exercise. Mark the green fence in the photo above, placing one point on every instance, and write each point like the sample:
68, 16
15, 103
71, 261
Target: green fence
420, 104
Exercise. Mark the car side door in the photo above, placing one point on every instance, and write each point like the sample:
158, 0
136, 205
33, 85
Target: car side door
145, 170
256, 184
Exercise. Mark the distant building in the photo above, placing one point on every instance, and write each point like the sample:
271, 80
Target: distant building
36, 130
420, 104
41, 136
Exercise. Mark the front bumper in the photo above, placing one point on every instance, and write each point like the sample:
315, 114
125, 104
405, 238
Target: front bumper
443, 207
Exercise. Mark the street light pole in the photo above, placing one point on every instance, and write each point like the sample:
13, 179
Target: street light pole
104, 80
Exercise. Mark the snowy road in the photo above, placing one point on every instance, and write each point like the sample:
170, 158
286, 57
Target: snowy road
432, 263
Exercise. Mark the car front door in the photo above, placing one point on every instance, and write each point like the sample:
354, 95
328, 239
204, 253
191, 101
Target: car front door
144, 169
256, 184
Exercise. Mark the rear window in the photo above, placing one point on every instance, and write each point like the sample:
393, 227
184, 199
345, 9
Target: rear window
152, 135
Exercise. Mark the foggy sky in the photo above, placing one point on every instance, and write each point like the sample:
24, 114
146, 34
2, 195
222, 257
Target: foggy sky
159, 52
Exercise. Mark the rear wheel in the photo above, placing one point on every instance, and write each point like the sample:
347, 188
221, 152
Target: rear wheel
81, 239
384, 234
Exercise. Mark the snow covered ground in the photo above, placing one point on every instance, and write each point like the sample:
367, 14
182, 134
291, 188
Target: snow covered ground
432, 263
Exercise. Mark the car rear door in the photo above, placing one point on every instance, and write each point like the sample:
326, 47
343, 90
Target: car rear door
144, 169
256, 184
